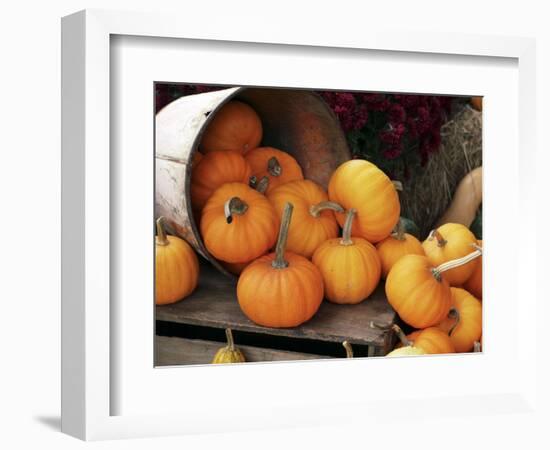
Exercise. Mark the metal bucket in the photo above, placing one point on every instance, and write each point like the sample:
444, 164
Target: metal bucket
298, 122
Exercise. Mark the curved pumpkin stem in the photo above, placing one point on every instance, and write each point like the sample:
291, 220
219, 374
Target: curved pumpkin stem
315, 210
279, 262
397, 185
437, 271
453, 314
349, 350
402, 336
441, 241
234, 206
399, 231
274, 167
229, 337
161, 234
477, 347
397, 330
346, 232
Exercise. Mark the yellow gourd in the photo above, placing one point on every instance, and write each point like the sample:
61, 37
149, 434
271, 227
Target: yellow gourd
228, 354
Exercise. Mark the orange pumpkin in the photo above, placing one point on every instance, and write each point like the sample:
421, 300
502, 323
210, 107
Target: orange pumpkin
280, 290
313, 219
238, 224
432, 340
474, 284
272, 167
176, 267
477, 103
464, 323
213, 170
420, 292
350, 266
395, 246
361, 185
448, 242
236, 126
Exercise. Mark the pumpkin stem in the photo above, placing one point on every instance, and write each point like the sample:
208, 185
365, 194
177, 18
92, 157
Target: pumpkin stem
262, 185
453, 314
279, 261
437, 271
230, 341
402, 336
399, 231
349, 350
396, 329
315, 210
477, 347
234, 206
397, 185
274, 167
161, 234
346, 233
441, 241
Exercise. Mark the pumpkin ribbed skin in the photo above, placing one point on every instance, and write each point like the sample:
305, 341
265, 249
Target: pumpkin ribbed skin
458, 241
474, 284
350, 272
306, 231
213, 170
280, 298
249, 235
236, 126
176, 270
392, 249
469, 327
361, 185
416, 295
259, 160
432, 340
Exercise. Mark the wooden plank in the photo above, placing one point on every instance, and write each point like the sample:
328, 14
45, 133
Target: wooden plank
173, 351
214, 304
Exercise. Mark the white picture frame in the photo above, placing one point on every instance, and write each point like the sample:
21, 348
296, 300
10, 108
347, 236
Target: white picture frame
99, 398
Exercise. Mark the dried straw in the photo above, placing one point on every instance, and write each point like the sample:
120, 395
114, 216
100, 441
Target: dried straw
428, 193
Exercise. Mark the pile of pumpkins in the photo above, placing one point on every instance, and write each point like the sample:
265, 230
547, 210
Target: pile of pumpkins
280, 234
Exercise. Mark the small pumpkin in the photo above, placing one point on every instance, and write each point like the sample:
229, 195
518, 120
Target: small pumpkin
432, 340
406, 351
176, 267
464, 323
313, 220
213, 170
350, 266
348, 348
228, 354
236, 126
360, 185
477, 103
466, 200
280, 290
395, 246
474, 284
419, 292
238, 224
272, 167
448, 242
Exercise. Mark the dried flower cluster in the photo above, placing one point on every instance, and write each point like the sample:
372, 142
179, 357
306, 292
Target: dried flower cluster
397, 132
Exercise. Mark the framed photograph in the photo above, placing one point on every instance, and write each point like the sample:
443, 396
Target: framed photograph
278, 214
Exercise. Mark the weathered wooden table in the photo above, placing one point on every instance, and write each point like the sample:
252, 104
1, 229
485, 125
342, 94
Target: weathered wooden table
214, 306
